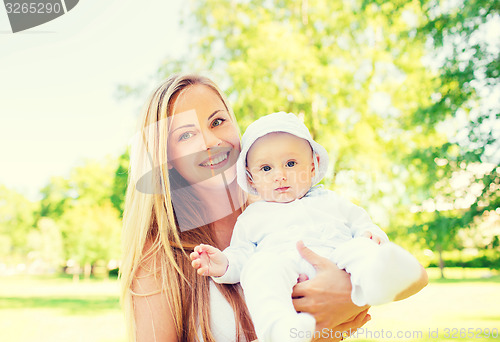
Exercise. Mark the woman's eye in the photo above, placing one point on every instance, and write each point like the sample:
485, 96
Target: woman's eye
217, 122
266, 168
185, 136
291, 163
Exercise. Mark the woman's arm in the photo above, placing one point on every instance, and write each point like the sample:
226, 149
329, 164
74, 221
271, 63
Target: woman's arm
153, 318
328, 296
343, 330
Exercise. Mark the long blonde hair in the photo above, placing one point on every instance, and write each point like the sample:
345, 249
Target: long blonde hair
151, 233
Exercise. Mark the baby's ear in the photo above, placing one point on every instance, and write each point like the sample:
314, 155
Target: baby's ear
315, 163
249, 177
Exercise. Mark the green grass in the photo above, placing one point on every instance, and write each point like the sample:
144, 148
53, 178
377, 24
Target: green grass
463, 275
466, 299
67, 306
55, 309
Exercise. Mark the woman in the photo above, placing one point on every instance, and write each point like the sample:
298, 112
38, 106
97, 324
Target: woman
183, 192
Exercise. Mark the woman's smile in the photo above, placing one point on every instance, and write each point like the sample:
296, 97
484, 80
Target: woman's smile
216, 161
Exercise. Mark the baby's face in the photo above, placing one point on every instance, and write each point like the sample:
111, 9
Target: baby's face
281, 166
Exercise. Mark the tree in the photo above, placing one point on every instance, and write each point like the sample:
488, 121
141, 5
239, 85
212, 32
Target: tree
92, 182
91, 233
46, 243
395, 90
81, 207
349, 70
460, 173
16, 221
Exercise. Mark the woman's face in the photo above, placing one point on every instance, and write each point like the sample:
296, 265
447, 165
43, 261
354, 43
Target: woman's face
203, 138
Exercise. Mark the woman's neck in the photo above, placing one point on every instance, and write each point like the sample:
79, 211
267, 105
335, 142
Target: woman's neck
223, 229
223, 205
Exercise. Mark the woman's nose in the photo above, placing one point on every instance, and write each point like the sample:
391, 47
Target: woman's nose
210, 140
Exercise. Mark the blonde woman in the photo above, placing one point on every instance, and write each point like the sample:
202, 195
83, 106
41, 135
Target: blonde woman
182, 192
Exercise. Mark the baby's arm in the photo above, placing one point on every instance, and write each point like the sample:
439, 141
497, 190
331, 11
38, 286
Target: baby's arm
209, 261
360, 222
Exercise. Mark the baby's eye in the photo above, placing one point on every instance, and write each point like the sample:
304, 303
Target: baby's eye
217, 122
266, 168
185, 136
291, 163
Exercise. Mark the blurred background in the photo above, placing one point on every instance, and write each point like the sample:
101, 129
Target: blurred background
405, 96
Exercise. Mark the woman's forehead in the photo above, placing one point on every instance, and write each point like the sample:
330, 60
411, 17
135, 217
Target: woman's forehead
188, 117
194, 104
197, 96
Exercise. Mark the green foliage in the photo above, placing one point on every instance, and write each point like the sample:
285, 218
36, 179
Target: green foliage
401, 93
120, 182
78, 217
377, 82
353, 73
91, 233
89, 224
56, 196
46, 243
439, 232
92, 183
16, 221
461, 175
483, 259
397, 91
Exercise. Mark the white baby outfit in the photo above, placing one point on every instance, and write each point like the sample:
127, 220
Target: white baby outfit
263, 255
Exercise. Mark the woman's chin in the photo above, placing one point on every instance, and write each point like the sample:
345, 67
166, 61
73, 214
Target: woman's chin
219, 181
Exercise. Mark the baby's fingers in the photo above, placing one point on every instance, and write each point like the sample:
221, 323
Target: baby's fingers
199, 249
194, 255
196, 263
203, 270
202, 248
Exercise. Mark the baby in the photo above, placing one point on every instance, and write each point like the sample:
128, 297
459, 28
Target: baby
281, 163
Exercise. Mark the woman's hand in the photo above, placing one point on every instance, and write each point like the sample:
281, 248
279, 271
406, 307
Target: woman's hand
328, 296
343, 330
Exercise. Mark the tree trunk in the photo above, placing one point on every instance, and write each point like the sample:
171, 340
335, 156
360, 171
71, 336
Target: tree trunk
76, 273
441, 263
87, 270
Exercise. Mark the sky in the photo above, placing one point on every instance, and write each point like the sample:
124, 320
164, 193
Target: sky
58, 85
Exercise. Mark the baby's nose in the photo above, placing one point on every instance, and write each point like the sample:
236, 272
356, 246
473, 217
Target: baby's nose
279, 175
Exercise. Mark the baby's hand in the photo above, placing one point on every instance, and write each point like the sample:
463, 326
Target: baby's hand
208, 261
375, 238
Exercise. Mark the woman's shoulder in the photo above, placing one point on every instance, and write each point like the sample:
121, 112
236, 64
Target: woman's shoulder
148, 277
153, 317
